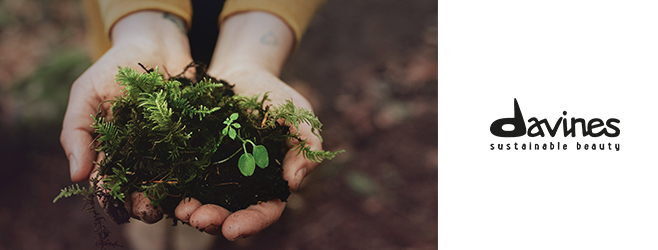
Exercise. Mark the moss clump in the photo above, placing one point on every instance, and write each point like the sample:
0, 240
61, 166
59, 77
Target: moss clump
177, 138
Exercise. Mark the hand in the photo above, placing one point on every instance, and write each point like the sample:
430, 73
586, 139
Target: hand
250, 52
249, 81
149, 37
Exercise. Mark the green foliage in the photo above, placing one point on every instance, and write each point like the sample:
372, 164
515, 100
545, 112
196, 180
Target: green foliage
294, 115
247, 164
248, 161
261, 157
314, 155
165, 137
114, 182
230, 126
74, 189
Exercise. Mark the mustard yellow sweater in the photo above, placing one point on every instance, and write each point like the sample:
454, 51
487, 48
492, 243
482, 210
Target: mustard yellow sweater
102, 14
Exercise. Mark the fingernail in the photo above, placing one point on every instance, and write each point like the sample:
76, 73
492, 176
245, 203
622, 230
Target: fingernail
74, 165
299, 177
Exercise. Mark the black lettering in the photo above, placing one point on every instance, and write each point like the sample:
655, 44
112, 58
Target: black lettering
553, 130
595, 123
613, 127
572, 130
536, 124
496, 127
564, 124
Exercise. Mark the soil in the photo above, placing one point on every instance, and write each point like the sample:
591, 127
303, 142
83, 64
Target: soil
222, 183
369, 69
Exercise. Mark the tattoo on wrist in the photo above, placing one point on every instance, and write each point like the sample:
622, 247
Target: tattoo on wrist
176, 20
269, 39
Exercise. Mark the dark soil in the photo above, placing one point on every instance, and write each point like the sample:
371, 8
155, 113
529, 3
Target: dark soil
212, 182
369, 69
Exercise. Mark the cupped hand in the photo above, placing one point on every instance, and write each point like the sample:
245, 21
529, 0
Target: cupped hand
253, 80
147, 37
251, 49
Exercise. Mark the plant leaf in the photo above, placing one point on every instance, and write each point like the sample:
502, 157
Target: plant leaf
232, 133
246, 164
225, 130
234, 116
261, 157
236, 125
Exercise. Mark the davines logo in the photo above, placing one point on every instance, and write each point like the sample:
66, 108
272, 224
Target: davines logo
595, 128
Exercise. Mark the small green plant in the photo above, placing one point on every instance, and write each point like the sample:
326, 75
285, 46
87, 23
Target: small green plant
248, 161
176, 138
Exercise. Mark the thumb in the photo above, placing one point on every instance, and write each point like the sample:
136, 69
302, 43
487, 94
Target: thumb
295, 166
76, 133
77, 145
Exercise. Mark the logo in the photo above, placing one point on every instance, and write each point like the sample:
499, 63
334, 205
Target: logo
594, 127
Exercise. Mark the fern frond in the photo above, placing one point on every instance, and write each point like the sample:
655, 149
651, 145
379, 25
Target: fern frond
295, 116
74, 190
202, 111
135, 82
315, 155
156, 110
109, 134
204, 86
252, 103
173, 88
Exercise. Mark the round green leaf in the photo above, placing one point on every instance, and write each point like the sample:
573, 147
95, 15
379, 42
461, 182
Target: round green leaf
261, 157
246, 164
236, 125
232, 133
225, 130
234, 116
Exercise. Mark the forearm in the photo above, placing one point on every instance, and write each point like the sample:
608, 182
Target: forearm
252, 39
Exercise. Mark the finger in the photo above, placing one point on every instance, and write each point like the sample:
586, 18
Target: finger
143, 210
76, 133
119, 212
209, 218
252, 220
185, 208
295, 166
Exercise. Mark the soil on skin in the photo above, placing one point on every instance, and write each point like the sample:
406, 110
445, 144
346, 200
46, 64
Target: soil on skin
221, 184
369, 68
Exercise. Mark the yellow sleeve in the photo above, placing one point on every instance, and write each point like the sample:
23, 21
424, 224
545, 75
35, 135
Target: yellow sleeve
113, 10
101, 15
296, 13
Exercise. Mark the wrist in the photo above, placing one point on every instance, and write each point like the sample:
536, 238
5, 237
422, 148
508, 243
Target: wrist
229, 68
252, 39
153, 32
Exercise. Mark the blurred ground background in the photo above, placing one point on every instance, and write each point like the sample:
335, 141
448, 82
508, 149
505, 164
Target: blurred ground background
369, 68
